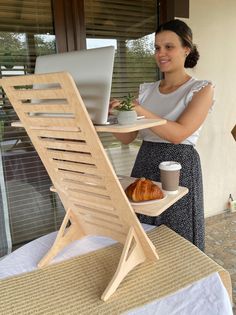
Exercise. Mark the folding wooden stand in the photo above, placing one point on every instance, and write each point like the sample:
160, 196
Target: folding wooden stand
53, 113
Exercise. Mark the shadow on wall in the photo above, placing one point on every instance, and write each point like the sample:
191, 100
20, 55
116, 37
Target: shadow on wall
234, 132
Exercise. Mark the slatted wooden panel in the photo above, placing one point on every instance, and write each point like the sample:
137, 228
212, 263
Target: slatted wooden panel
54, 116
69, 154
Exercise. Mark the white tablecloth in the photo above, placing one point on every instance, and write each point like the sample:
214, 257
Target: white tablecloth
205, 297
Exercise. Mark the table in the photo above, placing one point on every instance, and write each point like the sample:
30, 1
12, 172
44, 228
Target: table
206, 297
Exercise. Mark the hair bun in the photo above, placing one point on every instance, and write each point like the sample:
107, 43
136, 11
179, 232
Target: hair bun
192, 58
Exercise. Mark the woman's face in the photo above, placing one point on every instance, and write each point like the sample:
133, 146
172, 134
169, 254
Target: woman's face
169, 53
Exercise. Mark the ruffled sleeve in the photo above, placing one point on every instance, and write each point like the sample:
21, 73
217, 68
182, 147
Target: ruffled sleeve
144, 91
196, 87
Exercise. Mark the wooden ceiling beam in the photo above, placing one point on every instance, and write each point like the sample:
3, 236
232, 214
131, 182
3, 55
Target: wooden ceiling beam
170, 9
69, 24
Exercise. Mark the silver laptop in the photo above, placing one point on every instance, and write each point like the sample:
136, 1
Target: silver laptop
92, 71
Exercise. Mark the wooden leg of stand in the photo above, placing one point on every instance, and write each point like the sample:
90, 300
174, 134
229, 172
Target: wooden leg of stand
132, 255
64, 237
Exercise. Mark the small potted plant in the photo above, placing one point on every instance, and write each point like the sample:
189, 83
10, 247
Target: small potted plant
126, 113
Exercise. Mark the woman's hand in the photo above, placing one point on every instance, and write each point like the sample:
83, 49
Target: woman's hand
125, 138
113, 104
138, 108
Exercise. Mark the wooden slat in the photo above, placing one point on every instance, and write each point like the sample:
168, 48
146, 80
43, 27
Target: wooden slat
105, 204
86, 178
102, 199
102, 220
108, 218
87, 189
61, 134
16, 81
108, 208
77, 167
105, 208
18, 124
65, 145
73, 157
42, 94
52, 128
74, 185
47, 108
104, 212
46, 122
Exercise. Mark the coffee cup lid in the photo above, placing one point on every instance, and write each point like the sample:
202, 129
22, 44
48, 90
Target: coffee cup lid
170, 166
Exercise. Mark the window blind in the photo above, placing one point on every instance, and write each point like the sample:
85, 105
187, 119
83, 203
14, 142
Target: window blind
130, 27
26, 31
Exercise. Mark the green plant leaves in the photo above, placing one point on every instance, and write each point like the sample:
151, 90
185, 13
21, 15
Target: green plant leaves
126, 103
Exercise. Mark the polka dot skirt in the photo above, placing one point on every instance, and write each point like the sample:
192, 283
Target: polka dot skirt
186, 216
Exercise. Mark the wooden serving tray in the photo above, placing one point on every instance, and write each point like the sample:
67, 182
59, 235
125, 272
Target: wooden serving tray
154, 207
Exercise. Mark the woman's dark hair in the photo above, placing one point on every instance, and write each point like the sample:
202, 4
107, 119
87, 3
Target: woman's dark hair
185, 34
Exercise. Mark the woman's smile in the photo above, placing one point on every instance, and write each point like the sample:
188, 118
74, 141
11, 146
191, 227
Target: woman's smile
163, 61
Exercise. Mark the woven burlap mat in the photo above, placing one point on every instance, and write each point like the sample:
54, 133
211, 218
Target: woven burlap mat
75, 286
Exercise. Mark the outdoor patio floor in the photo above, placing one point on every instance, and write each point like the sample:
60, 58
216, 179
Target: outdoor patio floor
221, 244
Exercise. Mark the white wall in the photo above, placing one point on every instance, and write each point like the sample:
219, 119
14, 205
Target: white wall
213, 23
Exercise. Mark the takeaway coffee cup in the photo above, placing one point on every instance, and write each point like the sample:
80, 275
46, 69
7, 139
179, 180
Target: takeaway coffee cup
170, 171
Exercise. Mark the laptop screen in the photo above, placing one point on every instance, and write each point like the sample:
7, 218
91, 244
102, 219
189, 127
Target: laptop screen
92, 71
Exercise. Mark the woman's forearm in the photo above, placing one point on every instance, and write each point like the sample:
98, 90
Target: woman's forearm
168, 131
126, 138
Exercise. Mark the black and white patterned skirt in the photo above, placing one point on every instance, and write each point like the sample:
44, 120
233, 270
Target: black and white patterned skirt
186, 216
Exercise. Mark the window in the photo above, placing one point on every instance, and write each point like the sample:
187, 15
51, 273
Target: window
27, 208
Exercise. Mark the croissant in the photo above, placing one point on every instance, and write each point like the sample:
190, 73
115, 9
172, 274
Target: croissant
143, 189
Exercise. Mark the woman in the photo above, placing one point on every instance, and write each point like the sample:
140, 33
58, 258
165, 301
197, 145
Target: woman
184, 102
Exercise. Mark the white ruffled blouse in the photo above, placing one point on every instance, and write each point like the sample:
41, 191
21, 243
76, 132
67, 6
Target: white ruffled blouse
169, 106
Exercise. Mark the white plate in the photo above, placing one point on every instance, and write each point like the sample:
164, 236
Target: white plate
148, 202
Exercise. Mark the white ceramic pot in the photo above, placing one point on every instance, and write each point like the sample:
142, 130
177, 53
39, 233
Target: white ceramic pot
126, 117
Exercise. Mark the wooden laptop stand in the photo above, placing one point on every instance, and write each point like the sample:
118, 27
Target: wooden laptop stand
62, 133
